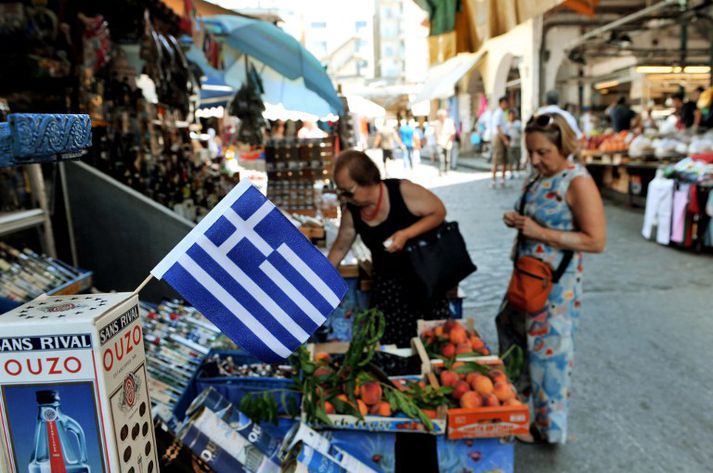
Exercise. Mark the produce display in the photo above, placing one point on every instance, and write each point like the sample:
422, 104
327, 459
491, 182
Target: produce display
450, 339
610, 143
476, 385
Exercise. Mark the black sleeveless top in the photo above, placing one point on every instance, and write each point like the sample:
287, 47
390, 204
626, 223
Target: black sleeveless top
373, 237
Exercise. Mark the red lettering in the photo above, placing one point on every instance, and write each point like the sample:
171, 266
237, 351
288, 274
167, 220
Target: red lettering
110, 363
129, 346
53, 367
16, 363
76, 362
136, 335
39, 366
119, 355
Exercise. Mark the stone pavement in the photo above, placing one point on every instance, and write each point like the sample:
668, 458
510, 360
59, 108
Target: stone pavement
642, 388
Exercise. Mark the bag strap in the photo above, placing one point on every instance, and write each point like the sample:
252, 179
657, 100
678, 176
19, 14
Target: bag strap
521, 211
568, 254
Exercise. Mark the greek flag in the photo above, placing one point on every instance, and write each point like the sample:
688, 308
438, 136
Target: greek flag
254, 275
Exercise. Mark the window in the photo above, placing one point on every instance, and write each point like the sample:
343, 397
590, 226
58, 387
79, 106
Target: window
388, 51
360, 45
319, 25
359, 25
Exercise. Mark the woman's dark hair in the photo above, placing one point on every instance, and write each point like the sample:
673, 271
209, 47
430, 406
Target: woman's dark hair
361, 168
556, 129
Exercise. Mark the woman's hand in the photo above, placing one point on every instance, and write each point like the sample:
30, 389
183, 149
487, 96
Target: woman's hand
528, 227
398, 241
509, 218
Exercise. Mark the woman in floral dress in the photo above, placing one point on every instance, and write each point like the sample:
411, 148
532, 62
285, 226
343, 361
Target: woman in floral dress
563, 211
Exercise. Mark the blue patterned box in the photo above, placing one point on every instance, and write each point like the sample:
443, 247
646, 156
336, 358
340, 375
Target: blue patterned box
476, 455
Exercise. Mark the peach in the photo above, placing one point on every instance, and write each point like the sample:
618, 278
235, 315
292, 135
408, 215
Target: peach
513, 401
463, 348
448, 350
470, 377
457, 365
458, 335
470, 400
459, 389
483, 385
381, 409
430, 413
449, 378
490, 400
371, 393
322, 357
476, 343
428, 333
328, 407
498, 375
450, 324
503, 391
438, 331
363, 409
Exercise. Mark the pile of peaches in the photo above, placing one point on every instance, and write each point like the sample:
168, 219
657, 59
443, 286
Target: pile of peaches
451, 339
481, 387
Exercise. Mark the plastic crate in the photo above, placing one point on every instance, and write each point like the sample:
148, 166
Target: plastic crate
233, 388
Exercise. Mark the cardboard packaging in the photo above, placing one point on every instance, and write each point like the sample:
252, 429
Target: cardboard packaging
73, 386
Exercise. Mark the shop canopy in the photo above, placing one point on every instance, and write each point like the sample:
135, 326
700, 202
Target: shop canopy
441, 79
266, 43
365, 107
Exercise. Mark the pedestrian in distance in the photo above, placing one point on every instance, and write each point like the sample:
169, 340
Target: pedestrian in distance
388, 139
559, 216
501, 141
387, 214
406, 134
445, 134
514, 131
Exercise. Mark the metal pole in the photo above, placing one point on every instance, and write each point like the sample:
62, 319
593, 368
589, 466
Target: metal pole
624, 20
68, 214
40, 195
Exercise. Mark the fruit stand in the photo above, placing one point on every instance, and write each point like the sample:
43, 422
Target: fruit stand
350, 405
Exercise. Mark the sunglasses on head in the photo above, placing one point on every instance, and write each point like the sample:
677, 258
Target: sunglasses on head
541, 121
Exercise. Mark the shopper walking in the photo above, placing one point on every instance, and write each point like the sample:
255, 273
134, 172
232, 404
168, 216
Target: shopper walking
562, 216
501, 141
445, 133
386, 214
406, 133
387, 139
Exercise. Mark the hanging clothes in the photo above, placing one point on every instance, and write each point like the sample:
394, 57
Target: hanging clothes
680, 204
659, 200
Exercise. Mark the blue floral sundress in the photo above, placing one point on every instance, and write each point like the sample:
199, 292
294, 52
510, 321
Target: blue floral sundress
548, 337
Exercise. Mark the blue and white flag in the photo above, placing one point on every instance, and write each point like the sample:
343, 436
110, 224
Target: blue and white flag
254, 275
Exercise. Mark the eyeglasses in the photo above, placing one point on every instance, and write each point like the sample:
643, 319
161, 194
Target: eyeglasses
347, 194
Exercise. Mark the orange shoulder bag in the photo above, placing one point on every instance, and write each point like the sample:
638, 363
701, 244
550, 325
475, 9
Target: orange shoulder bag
532, 278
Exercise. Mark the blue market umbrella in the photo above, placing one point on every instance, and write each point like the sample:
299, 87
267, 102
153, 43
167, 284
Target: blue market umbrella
276, 49
214, 91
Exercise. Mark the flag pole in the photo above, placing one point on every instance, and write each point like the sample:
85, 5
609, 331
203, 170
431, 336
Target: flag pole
143, 284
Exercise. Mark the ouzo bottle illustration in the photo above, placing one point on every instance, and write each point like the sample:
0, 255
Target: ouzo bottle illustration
60, 445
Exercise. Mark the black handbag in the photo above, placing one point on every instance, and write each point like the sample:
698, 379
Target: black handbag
440, 259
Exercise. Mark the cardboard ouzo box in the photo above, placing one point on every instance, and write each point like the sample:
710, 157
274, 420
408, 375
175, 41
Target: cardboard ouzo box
73, 387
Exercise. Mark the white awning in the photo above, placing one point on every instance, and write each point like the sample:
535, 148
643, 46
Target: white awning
441, 79
365, 107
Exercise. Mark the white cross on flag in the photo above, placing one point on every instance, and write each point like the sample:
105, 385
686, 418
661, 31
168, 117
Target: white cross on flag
254, 275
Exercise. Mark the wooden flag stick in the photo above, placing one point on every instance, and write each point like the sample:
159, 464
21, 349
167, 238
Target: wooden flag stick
143, 284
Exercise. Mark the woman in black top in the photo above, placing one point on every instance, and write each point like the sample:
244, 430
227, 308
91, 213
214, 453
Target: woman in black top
386, 214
